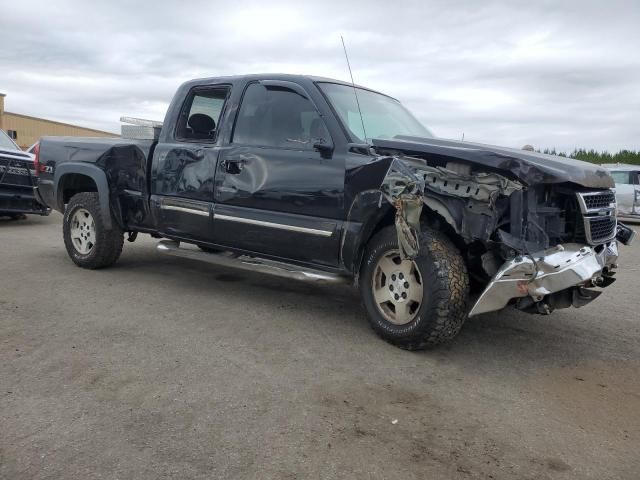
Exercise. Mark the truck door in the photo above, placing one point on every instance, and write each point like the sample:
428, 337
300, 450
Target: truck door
183, 168
276, 193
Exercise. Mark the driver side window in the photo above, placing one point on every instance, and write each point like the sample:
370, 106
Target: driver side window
274, 116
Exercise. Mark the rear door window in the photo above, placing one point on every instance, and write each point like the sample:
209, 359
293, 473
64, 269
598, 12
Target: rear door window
201, 114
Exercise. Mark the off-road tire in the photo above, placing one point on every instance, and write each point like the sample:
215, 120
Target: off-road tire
108, 245
445, 281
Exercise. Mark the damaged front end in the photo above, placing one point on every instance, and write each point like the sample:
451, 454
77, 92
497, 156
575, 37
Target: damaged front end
538, 247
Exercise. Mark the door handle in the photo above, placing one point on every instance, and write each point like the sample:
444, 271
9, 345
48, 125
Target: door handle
233, 165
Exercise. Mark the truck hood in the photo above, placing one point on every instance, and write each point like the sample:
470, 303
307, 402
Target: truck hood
529, 167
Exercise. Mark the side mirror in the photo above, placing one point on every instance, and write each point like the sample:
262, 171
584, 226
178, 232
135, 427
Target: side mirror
325, 147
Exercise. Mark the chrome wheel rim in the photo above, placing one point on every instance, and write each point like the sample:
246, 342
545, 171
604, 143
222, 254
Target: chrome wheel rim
397, 288
83, 231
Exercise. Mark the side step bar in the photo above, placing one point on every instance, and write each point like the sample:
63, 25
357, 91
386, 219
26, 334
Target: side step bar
253, 264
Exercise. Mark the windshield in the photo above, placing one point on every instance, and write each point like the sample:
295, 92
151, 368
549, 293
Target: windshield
383, 117
6, 142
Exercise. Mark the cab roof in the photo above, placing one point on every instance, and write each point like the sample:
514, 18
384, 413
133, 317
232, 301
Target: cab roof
287, 77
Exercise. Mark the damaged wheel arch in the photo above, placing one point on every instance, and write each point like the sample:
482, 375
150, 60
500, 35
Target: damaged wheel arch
466, 201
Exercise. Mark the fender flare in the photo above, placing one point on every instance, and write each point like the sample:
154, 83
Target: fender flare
93, 172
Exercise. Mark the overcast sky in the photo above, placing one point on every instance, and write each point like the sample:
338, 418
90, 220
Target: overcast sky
559, 73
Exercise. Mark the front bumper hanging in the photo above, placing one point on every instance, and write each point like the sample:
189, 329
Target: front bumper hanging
545, 273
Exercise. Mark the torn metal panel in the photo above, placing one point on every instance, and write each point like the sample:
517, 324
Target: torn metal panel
482, 187
468, 202
404, 189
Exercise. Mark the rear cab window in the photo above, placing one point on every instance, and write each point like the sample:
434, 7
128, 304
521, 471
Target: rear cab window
201, 113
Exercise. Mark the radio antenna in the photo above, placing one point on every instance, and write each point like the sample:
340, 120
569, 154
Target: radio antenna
353, 84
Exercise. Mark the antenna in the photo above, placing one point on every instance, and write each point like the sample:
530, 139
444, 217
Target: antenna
353, 84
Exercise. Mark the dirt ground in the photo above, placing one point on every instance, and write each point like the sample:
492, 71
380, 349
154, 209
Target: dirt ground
168, 368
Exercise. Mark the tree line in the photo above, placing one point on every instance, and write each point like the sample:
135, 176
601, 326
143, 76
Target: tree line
623, 156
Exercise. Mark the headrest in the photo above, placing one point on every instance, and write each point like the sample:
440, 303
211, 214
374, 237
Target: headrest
201, 123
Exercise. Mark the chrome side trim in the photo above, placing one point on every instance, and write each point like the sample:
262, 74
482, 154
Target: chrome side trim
184, 210
262, 223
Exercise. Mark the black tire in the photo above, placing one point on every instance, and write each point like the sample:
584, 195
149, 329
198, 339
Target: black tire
108, 243
445, 284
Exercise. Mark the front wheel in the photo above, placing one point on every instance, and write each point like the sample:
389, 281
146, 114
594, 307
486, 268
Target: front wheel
88, 242
417, 303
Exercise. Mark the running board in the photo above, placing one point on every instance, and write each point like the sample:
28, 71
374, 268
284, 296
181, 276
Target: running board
253, 264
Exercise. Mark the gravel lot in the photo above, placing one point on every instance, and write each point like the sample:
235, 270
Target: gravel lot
168, 368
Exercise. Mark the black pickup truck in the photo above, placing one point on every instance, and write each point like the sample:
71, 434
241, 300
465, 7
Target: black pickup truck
320, 180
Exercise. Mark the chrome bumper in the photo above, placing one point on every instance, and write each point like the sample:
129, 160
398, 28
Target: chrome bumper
544, 273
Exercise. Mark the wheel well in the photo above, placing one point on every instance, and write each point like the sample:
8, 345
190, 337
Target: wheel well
437, 222
387, 220
73, 183
429, 217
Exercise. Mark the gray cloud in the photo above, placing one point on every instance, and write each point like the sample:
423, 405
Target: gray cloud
552, 74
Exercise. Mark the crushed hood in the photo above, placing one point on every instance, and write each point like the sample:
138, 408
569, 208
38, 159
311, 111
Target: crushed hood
529, 167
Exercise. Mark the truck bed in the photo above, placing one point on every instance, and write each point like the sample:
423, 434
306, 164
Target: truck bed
124, 162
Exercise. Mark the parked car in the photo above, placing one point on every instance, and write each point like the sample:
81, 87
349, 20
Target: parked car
299, 178
18, 195
627, 178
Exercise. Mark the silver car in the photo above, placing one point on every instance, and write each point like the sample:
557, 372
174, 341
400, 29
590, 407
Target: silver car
627, 178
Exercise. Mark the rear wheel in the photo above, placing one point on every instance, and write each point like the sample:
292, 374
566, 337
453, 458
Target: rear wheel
88, 242
414, 303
